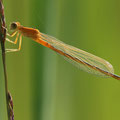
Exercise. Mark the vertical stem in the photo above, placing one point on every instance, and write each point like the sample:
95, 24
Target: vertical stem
2, 41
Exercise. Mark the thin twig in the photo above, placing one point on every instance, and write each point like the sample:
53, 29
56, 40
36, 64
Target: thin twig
2, 41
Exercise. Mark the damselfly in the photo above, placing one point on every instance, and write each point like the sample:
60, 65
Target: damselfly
84, 60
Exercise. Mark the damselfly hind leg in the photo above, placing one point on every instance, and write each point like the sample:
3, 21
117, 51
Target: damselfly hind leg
15, 42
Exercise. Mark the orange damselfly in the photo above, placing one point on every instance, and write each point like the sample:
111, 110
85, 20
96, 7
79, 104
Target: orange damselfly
80, 58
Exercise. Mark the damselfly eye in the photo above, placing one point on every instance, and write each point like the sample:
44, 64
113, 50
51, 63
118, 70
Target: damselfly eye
13, 26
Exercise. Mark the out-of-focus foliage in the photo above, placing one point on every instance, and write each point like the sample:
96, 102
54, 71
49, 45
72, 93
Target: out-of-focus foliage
46, 87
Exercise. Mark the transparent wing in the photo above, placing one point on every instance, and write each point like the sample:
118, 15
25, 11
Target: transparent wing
81, 55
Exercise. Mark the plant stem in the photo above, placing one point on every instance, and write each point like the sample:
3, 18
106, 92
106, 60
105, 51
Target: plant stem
2, 41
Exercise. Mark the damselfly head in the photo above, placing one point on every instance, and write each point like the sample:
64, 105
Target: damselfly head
14, 25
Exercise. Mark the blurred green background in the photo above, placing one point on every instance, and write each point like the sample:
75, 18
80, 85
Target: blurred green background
46, 87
